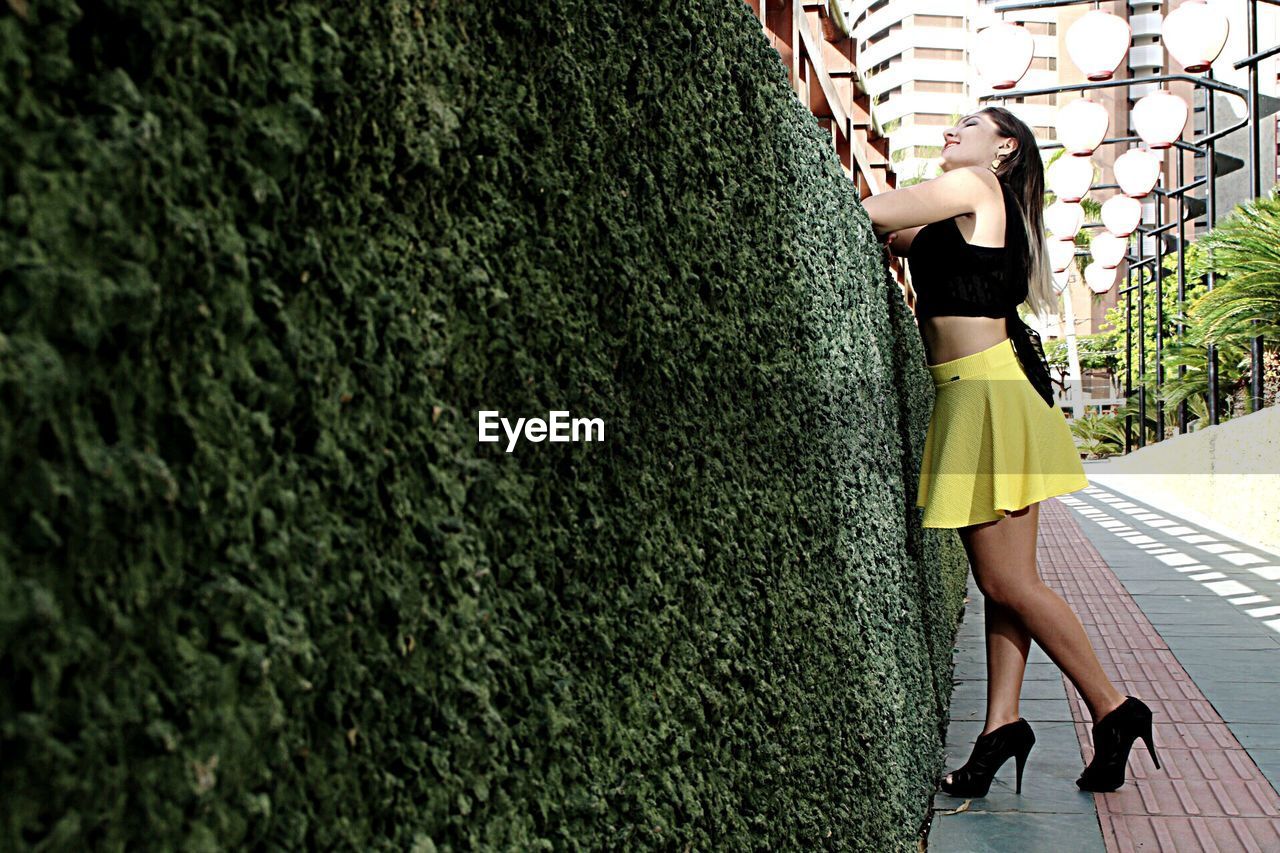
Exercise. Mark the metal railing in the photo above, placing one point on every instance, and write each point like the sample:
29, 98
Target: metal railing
1258, 106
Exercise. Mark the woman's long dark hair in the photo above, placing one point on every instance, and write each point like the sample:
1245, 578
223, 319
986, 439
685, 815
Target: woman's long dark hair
1023, 172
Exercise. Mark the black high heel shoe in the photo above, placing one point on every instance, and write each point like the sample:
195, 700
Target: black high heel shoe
1113, 737
990, 752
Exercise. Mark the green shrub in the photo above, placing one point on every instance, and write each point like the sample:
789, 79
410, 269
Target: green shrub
262, 264
1098, 434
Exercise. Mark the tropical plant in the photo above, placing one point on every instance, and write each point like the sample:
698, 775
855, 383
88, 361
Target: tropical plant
1194, 261
1174, 312
1099, 351
1192, 353
1243, 253
1098, 434
1245, 250
1129, 411
1092, 213
1198, 411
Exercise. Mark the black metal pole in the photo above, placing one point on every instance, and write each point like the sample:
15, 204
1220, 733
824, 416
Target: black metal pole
1211, 213
1182, 278
1142, 346
1159, 265
1255, 188
1257, 57
1128, 359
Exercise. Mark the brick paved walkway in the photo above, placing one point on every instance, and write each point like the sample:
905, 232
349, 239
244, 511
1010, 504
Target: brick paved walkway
1211, 794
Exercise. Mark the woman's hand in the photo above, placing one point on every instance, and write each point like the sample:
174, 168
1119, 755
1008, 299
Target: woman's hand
886, 240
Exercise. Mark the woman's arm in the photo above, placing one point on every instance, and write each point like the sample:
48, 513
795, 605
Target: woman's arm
952, 193
899, 242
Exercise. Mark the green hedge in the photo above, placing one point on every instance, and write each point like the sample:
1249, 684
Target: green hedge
261, 265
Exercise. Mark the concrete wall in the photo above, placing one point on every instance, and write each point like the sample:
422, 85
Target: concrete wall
1225, 477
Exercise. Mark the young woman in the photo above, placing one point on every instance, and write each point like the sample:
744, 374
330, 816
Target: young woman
996, 445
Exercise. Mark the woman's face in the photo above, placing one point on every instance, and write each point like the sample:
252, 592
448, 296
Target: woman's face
974, 141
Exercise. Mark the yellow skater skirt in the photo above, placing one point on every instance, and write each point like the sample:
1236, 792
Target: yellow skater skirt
993, 444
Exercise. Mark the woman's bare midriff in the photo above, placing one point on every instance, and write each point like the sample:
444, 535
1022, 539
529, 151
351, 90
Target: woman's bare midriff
952, 337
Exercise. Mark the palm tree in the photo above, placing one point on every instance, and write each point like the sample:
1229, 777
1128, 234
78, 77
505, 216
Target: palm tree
1245, 250
1098, 435
1191, 352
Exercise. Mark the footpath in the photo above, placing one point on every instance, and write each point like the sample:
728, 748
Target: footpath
1183, 617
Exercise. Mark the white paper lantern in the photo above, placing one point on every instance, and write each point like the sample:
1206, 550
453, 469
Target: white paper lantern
1099, 278
1159, 118
1082, 124
1097, 42
1136, 171
1060, 254
1003, 54
1121, 214
1070, 177
1063, 219
1108, 249
1061, 278
1194, 35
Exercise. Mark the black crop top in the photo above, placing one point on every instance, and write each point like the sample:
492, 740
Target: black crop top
952, 277
955, 278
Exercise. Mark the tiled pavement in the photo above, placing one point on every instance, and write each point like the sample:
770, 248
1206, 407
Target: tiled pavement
1212, 600
1051, 814
1202, 651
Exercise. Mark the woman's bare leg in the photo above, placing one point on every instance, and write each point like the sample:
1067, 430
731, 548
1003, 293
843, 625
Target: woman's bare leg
1002, 555
1008, 644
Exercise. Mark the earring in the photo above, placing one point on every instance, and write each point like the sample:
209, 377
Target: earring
995, 164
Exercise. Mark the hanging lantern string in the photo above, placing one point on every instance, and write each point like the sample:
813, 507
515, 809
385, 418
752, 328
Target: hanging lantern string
1267, 104
1197, 79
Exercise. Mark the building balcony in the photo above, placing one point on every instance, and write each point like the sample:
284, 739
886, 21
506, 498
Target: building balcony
1146, 56
909, 37
1145, 25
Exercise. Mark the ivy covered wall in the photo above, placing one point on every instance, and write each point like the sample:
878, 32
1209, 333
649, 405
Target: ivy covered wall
261, 265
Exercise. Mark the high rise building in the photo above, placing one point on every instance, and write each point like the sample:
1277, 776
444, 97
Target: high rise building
815, 46
916, 76
916, 60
